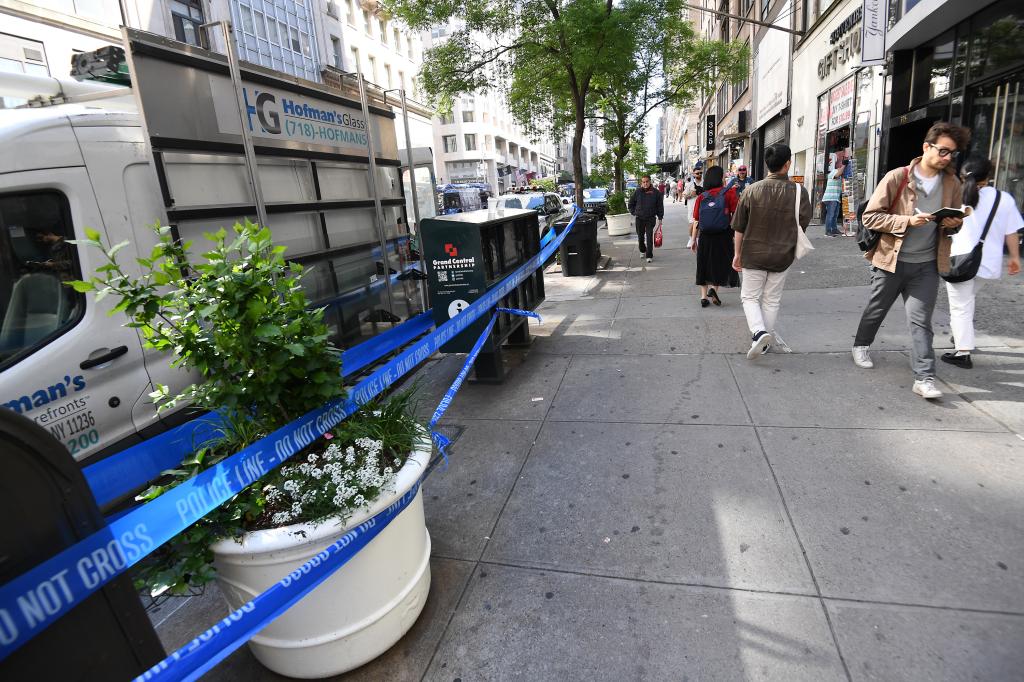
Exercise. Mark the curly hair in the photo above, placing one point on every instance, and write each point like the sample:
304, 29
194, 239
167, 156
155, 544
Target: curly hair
943, 129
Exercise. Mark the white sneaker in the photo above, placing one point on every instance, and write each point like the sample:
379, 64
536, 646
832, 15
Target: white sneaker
760, 344
649, 260
926, 388
861, 357
779, 346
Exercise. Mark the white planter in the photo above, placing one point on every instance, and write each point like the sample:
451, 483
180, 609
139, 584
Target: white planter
619, 225
356, 614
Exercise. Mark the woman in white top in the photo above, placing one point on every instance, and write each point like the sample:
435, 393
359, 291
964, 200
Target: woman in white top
1005, 223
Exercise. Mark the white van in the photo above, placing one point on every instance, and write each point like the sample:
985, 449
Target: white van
80, 373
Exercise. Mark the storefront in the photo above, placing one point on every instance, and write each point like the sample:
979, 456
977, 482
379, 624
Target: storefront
771, 94
836, 121
967, 70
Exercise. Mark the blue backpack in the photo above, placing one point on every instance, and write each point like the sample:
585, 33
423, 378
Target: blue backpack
713, 217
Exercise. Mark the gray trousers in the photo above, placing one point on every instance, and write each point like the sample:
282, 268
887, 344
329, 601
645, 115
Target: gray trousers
918, 283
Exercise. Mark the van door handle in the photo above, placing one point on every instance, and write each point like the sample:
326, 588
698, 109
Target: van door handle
113, 354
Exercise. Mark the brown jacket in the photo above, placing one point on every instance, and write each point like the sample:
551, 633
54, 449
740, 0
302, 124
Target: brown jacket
893, 221
766, 215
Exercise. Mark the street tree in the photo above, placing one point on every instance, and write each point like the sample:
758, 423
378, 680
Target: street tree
670, 65
545, 54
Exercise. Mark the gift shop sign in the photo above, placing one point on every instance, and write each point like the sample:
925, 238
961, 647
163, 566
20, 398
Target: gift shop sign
844, 46
840, 104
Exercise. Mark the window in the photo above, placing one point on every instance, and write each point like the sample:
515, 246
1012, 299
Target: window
371, 69
766, 6
383, 26
22, 56
723, 22
366, 22
387, 75
401, 79
336, 48
351, 13
187, 17
398, 41
355, 66
723, 100
279, 36
35, 307
449, 143
745, 6
409, 52
470, 143
447, 119
467, 116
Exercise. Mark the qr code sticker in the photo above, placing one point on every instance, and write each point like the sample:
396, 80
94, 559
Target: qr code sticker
442, 276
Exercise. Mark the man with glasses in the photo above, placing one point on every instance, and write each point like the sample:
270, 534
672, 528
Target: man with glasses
912, 249
648, 205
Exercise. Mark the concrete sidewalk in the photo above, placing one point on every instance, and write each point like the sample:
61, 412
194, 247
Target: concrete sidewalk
639, 501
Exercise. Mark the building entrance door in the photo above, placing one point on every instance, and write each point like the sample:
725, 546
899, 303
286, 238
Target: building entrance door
996, 118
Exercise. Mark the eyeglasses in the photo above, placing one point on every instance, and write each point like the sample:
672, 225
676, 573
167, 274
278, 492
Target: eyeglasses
943, 152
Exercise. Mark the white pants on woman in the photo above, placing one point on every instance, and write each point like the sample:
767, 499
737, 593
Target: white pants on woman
961, 311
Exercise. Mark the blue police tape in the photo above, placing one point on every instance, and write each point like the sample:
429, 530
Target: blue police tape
522, 313
121, 474
211, 647
441, 441
208, 649
36, 599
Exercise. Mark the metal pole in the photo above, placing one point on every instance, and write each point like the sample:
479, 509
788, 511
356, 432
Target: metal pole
1013, 122
248, 152
743, 19
1002, 133
415, 202
371, 149
995, 119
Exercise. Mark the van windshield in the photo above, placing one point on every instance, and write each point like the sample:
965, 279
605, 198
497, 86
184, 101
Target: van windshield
35, 260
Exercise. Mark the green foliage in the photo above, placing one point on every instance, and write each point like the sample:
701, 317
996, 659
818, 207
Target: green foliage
545, 184
239, 318
545, 54
616, 203
635, 162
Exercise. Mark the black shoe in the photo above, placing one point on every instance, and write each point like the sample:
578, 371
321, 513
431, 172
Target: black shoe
713, 295
704, 303
963, 361
643, 249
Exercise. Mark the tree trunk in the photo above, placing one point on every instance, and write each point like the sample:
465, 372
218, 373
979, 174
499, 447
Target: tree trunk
620, 152
577, 147
618, 174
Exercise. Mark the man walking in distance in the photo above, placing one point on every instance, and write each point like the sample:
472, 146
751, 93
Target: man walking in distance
765, 242
648, 205
739, 182
912, 249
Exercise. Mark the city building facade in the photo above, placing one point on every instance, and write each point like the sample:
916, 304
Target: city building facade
478, 141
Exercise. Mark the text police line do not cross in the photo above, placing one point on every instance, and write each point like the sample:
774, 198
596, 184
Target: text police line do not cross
36, 599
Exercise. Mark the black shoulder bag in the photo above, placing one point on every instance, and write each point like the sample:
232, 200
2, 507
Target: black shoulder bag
965, 266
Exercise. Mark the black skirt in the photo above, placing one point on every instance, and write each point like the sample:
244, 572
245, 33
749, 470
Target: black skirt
714, 260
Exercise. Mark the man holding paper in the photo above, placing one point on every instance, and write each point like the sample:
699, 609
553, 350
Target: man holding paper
913, 248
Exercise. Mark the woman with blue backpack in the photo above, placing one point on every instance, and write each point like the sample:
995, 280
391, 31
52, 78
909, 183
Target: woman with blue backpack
711, 237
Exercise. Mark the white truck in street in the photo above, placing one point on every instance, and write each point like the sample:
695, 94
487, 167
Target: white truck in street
84, 155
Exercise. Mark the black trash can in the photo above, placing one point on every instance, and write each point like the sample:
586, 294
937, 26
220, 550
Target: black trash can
579, 252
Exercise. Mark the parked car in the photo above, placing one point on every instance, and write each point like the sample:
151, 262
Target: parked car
547, 204
595, 201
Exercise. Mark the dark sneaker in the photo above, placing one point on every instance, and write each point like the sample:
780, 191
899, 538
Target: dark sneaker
713, 295
704, 303
963, 361
760, 344
643, 249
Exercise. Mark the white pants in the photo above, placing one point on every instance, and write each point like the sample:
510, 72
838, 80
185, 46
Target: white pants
761, 293
961, 311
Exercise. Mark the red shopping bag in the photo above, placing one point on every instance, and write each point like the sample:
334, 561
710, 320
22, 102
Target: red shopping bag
657, 237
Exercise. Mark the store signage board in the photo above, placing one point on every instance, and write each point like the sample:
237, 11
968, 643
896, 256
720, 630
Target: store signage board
278, 113
771, 67
873, 28
840, 104
710, 132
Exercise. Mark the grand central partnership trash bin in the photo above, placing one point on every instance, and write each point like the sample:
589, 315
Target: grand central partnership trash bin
468, 253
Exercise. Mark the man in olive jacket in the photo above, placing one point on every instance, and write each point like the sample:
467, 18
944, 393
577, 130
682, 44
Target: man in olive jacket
912, 249
765, 224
